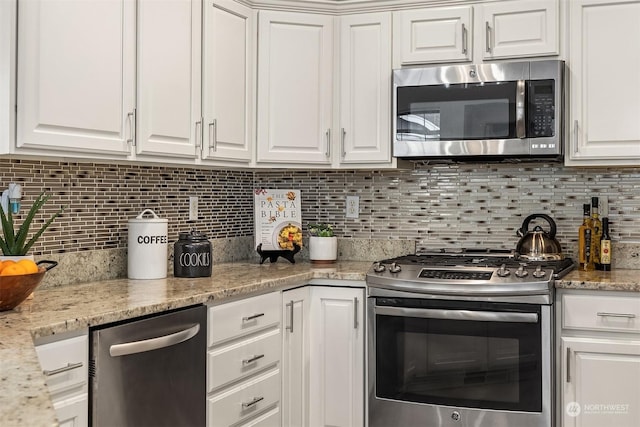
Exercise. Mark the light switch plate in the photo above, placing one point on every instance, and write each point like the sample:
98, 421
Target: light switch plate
193, 208
353, 207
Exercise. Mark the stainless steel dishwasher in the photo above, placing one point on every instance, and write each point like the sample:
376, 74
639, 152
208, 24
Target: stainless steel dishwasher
150, 372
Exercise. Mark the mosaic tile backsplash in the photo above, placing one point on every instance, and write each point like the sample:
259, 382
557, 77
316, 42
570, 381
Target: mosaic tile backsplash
460, 205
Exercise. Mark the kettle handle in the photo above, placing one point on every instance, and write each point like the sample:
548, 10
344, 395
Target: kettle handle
527, 220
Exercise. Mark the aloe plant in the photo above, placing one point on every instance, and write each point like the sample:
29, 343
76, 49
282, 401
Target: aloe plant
14, 243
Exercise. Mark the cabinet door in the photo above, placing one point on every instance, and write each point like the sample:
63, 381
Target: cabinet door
169, 42
605, 90
227, 81
294, 87
7, 74
295, 357
337, 357
76, 62
601, 382
520, 29
440, 34
365, 88
73, 412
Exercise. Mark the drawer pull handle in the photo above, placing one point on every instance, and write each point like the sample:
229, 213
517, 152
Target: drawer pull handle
627, 315
250, 318
247, 405
69, 367
252, 359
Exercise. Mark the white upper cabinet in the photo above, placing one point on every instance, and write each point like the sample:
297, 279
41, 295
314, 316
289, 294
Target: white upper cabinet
439, 34
169, 58
492, 30
365, 88
520, 28
604, 59
294, 88
76, 68
7, 74
227, 81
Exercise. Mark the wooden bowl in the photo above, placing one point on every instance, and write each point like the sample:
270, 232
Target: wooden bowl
15, 289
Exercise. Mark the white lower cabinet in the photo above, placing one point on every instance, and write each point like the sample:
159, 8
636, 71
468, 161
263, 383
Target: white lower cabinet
243, 363
599, 359
323, 356
64, 364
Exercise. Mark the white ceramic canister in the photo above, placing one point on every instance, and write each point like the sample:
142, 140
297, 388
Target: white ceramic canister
148, 240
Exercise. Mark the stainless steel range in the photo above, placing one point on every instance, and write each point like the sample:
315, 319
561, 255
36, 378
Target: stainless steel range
461, 339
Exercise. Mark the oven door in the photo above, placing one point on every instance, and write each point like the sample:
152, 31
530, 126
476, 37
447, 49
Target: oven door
456, 363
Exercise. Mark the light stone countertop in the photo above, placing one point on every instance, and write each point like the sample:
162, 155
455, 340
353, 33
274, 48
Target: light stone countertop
24, 399
615, 280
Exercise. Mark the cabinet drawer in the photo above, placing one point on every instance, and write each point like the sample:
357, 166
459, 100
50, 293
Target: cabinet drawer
238, 318
605, 313
64, 363
245, 401
269, 419
244, 358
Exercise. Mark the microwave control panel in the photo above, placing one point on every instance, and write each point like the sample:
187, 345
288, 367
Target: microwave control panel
541, 96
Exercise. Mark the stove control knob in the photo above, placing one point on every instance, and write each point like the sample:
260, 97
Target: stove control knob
395, 268
503, 271
538, 274
521, 272
378, 267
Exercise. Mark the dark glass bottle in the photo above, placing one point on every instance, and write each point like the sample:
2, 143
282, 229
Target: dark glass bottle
605, 246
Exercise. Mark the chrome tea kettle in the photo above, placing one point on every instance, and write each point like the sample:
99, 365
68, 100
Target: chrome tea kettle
538, 245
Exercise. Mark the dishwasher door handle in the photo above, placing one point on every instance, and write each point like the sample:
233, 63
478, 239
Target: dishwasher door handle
141, 346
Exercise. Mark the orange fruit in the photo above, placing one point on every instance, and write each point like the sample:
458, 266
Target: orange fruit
6, 263
28, 265
14, 269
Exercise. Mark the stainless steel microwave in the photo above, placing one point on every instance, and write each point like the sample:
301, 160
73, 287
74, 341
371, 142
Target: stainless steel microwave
503, 111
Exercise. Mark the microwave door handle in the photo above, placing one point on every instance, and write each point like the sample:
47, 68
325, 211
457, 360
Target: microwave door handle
520, 101
483, 316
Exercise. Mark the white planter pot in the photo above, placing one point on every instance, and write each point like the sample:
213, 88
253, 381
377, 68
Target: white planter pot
16, 257
323, 250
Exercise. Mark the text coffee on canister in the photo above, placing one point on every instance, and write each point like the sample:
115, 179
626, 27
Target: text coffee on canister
192, 255
148, 246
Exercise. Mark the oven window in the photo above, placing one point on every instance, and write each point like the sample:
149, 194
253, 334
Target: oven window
468, 363
456, 112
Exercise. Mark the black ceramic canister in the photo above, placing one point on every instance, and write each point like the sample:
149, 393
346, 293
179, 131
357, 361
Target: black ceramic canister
192, 255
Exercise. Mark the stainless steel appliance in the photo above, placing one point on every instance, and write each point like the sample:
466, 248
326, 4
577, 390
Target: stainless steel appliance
461, 339
512, 110
150, 372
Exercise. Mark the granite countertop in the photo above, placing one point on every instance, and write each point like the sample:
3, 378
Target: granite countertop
24, 399
616, 280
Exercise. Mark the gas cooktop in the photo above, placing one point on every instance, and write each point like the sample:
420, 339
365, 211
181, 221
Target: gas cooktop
468, 272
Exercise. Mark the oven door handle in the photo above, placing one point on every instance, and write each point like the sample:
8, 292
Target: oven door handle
481, 316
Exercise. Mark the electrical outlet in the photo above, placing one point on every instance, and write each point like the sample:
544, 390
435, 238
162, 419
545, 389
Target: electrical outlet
353, 207
193, 208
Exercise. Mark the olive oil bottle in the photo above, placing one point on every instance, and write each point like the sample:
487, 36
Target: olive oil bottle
585, 235
605, 246
596, 224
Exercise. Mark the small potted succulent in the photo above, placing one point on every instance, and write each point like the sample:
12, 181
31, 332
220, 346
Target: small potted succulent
14, 243
323, 245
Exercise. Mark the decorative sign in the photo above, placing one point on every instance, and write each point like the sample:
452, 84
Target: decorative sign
277, 217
